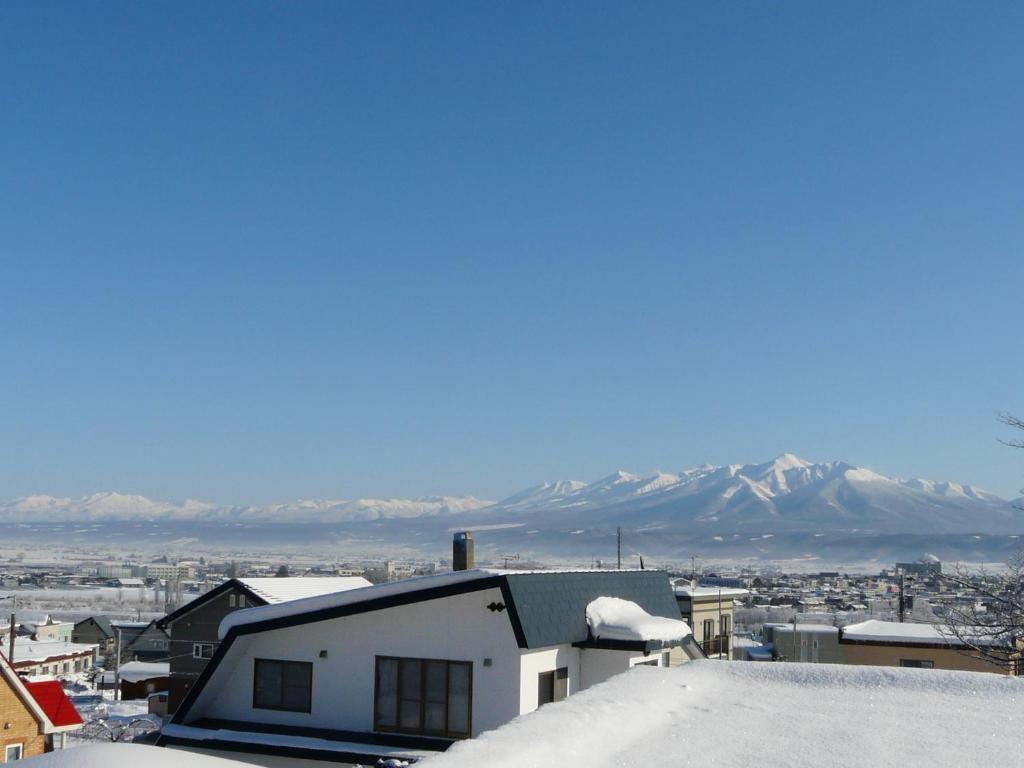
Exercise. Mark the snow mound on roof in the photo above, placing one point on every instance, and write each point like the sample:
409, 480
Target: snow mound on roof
129, 756
740, 713
137, 671
612, 618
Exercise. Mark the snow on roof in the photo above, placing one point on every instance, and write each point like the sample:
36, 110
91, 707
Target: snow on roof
136, 671
824, 629
686, 590
349, 597
282, 590
805, 715
375, 591
877, 631
41, 650
612, 618
130, 756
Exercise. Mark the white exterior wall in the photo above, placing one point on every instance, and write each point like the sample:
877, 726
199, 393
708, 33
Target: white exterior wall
533, 663
599, 664
457, 628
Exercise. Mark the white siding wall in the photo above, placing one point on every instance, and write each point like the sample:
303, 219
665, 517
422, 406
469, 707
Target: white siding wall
459, 628
535, 662
597, 665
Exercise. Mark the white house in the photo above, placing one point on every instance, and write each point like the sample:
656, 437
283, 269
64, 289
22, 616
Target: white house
404, 669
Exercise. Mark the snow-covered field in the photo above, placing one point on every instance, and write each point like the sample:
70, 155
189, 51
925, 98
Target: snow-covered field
715, 713
77, 603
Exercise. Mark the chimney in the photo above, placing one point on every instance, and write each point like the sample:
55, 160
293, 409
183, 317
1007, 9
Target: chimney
462, 551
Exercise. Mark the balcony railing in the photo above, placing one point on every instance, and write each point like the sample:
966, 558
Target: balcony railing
716, 646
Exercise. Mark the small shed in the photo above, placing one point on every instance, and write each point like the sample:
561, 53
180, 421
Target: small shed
139, 679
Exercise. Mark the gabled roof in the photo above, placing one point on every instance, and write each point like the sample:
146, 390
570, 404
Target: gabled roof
54, 702
544, 608
270, 591
46, 703
102, 622
281, 590
152, 628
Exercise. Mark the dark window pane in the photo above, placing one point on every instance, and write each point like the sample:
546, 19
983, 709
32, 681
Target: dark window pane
298, 674
409, 714
434, 716
545, 688
437, 684
459, 688
561, 689
268, 683
387, 692
409, 678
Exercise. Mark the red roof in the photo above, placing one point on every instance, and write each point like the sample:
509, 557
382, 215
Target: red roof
54, 702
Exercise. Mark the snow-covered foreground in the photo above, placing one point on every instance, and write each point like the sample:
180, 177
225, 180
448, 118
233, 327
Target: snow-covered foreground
716, 713
128, 756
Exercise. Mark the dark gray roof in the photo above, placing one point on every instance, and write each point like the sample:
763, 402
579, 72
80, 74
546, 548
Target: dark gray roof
552, 607
102, 622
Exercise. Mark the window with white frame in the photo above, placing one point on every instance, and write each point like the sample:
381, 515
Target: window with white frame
13, 752
202, 650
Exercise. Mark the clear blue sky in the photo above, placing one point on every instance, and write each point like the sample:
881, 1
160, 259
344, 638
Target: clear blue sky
258, 251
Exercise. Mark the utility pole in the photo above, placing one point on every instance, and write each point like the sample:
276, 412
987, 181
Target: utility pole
117, 668
721, 634
10, 654
901, 598
618, 547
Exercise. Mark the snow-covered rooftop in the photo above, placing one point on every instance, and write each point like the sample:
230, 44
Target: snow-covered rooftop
877, 631
740, 713
373, 592
685, 590
612, 618
282, 590
135, 671
41, 650
824, 629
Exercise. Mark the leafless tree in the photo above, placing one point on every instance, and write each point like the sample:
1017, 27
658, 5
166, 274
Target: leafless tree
117, 729
989, 620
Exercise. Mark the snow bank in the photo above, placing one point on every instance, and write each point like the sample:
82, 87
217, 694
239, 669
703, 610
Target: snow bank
129, 756
612, 618
739, 713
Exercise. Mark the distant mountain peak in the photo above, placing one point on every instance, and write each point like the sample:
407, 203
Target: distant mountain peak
785, 494
790, 461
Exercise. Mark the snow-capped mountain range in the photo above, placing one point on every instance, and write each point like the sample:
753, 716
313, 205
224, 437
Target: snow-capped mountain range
787, 494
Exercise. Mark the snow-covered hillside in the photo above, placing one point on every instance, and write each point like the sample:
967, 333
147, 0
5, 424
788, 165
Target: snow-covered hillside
114, 506
786, 495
